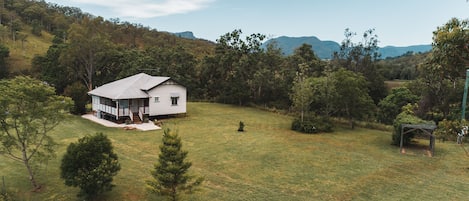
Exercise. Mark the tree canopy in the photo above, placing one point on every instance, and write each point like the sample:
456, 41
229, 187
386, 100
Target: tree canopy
30, 110
90, 164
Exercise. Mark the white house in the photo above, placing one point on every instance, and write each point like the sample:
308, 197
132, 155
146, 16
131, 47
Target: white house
138, 96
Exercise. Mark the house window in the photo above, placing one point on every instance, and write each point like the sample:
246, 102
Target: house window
174, 100
157, 99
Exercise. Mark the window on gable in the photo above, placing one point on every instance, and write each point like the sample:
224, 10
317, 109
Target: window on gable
174, 101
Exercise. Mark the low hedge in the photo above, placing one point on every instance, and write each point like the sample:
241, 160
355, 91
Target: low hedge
312, 124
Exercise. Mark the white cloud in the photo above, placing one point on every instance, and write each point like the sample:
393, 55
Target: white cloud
148, 8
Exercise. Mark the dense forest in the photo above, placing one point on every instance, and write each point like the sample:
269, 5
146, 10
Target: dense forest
86, 51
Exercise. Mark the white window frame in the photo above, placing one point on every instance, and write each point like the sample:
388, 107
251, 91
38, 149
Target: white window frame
174, 100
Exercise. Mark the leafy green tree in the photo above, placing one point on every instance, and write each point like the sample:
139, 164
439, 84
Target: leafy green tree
450, 52
49, 68
4, 31
302, 94
441, 77
269, 85
390, 107
30, 110
4, 53
87, 47
228, 73
324, 94
34, 11
36, 28
78, 92
440, 98
15, 26
176, 63
361, 58
353, 101
304, 55
90, 164
447, 129
170, 176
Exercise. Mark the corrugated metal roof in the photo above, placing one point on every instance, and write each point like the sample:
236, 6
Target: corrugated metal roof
153, 82
130, 87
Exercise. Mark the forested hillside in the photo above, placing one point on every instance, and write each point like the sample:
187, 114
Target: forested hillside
75, 52
29, 27
403, 67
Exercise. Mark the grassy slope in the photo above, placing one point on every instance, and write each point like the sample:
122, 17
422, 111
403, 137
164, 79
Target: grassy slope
21, 54
268, 162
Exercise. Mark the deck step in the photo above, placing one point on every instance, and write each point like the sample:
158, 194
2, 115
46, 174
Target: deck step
137, 119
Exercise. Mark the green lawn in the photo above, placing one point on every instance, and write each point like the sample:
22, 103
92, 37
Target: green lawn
267, 162
390, 84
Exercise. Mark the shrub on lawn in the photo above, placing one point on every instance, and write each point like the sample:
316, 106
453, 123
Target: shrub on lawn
448, 130
312, 124
90, 164
241, 127
7, 195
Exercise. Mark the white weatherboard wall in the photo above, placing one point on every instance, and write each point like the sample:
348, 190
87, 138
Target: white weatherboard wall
95, 103
164, 105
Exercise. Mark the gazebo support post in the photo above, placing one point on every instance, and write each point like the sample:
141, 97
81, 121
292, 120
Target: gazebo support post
402, 139
427, 129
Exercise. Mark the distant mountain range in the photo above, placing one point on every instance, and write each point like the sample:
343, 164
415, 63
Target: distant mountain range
324, 49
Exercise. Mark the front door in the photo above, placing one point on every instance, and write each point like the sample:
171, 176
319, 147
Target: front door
133, 105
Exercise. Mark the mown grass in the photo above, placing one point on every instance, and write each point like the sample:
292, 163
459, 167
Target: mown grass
267, 162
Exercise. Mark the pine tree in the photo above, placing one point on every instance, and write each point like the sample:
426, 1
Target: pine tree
170, 173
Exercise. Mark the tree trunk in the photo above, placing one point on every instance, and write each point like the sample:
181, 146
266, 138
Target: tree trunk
349, 115
259, 91
302, 115
30, 171
174, 193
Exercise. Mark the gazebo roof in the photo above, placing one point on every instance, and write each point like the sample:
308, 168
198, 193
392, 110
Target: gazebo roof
420, 126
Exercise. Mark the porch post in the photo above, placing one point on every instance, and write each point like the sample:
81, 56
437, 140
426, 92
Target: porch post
117, 109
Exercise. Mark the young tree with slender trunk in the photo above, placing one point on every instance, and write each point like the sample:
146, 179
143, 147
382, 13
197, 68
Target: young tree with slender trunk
29, 110
302, 93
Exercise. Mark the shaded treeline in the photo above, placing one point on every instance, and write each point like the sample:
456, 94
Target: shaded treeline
89, 51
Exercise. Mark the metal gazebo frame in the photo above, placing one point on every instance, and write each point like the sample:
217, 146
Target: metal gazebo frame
425, 128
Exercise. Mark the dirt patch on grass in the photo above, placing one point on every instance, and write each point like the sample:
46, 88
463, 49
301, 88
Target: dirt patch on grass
417, 150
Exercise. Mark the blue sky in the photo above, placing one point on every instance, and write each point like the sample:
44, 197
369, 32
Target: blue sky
396, 22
